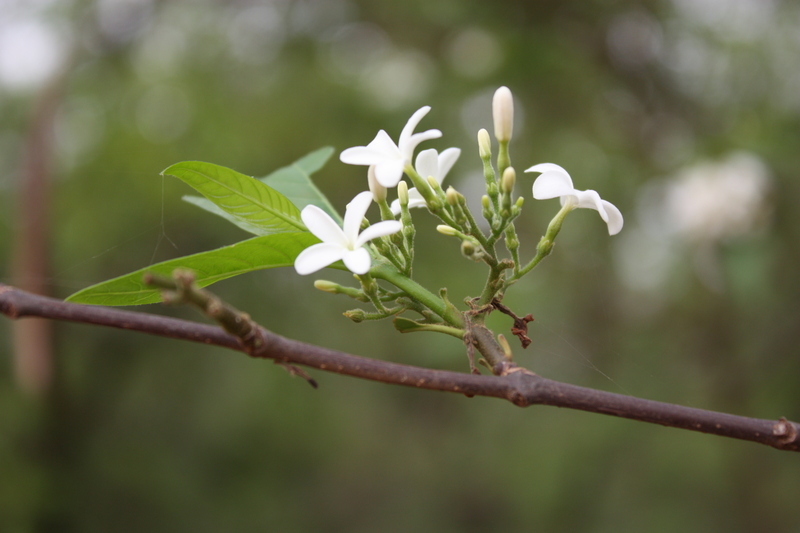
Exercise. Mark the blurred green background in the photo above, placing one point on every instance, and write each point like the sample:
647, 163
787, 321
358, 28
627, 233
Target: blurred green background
683, 113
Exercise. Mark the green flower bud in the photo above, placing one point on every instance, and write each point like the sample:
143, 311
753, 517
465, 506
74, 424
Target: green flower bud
402, 192
451, 196
446, 230
356, 315
327, 286
484, 144
509, 178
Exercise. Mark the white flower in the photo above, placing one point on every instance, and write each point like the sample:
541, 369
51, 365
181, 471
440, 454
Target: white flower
555, 182
341, 243
429, 163
389, 158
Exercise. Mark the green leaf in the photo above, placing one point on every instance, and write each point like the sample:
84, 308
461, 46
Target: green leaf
295, 182
244, 198
269, 251
211, 207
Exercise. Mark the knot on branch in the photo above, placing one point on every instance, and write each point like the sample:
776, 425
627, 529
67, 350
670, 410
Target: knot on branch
785, 431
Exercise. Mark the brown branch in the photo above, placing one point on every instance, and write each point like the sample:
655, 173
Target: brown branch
517, 385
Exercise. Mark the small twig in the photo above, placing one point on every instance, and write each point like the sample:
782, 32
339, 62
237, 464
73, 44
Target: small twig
520, 327
180, 288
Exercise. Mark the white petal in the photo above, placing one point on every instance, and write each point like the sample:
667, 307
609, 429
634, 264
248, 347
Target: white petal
608, 211
407, 146
322, 225
552, 185
412, 123
428, 164
389, 173
361, 155
354, 214
395, 207
358, 260
547, 167
447, 159
385, 145
614, 218
591, 199
387, 227
382, 147
317, 257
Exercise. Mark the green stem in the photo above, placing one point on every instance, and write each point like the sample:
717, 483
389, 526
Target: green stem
545, 245
503, 160
385, 271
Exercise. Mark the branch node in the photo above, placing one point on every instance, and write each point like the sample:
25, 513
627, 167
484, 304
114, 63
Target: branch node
785, 431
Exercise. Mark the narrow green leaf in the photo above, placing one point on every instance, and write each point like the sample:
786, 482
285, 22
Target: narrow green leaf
295, 182
406, 325
268, 251
244, 198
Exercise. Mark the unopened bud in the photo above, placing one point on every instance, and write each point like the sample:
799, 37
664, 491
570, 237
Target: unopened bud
446, 230
509, 178
402, 192
451, 196
356, 315
327, 286
435, 186
471, 251
485, 202
378, 191
503, 114
484, 144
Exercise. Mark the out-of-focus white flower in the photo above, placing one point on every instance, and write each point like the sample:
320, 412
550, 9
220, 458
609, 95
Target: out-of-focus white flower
713, 201
341, 243
429, 163
389, 158
554, 182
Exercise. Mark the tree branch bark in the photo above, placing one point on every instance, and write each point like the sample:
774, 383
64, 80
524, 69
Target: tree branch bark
518, 385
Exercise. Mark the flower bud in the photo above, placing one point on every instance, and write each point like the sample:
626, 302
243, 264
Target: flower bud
434, 185
484, 144
503, 114
378, 191
509, 178
326, 286
402, 192
356, 315
451, 196
446, 230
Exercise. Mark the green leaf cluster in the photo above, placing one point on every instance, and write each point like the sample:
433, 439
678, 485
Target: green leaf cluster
268, 208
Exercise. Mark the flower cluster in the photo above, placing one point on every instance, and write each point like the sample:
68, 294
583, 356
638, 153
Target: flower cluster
388, 161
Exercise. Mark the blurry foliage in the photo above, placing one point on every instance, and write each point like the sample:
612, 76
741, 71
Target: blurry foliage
150, 434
